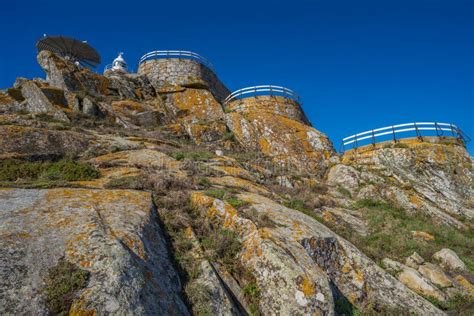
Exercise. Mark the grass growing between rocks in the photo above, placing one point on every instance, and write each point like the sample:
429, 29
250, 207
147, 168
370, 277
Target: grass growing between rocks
63, 283
227, 196
187, 228
194, 155
390, 234
457, 305
22, 173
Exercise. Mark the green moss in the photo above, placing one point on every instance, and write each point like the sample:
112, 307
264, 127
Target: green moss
26, 172
63, 283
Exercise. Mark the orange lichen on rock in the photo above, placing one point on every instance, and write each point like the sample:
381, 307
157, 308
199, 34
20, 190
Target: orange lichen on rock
307, 286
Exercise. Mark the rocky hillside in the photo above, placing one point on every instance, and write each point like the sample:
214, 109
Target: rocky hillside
121, 194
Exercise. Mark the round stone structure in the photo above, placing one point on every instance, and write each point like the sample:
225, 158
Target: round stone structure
267, 98
182, 68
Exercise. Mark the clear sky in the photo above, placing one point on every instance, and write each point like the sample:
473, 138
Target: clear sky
356, 64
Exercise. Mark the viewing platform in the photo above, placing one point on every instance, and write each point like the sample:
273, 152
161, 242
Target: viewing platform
184, 68
267, 98
404, 131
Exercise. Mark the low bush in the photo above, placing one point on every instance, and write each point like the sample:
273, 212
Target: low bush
19, 171
63, 283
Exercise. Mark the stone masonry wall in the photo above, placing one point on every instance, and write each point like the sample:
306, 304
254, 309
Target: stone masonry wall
271, 104
179, 71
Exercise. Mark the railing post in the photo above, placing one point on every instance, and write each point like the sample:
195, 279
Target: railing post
418, 134
452, 129
373, 138
271, 91
458, 131
355, 142
439, 132
394, 137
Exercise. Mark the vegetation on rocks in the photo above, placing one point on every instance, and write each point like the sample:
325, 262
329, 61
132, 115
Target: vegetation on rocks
391, 234
15, 172
63, 283
227, 196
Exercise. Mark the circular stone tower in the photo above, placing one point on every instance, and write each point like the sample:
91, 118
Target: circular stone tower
267, 98
181, 68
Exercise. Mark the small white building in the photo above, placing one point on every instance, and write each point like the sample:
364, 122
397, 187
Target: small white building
118, 65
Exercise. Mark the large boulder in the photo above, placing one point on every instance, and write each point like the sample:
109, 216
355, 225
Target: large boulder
29, 142
113, 235
449, 260
197, 111
432, 176
317, 254
66, 75
281, 134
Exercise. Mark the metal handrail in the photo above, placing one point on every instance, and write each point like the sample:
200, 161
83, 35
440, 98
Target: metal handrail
440, 128
176, 54
265, 89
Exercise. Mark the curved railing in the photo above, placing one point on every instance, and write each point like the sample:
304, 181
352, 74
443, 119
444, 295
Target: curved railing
157, 54
418, 129
262, 90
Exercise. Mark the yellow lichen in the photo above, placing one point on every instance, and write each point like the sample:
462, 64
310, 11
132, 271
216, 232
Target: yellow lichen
307, 287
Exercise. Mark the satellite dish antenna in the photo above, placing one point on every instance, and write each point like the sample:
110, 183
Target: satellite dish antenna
71, 49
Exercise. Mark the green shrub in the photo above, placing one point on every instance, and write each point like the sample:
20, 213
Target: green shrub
139, 182
296, 204
63, 283
229, 136
62, 170
200, 297
203, 181
216, 193
252, 296
235, 202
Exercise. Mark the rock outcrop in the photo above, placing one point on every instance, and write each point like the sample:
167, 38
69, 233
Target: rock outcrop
114, 235
151, 196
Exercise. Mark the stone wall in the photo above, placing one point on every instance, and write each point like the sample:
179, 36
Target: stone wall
271, 104
184, 72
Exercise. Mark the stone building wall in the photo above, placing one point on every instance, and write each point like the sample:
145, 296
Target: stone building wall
271, 104
184, 72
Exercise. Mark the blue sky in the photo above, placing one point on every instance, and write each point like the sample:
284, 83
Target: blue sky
356, 64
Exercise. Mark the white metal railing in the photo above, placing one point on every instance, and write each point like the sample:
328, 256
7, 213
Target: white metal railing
262, 90
108, 67
394, 130
176, 54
